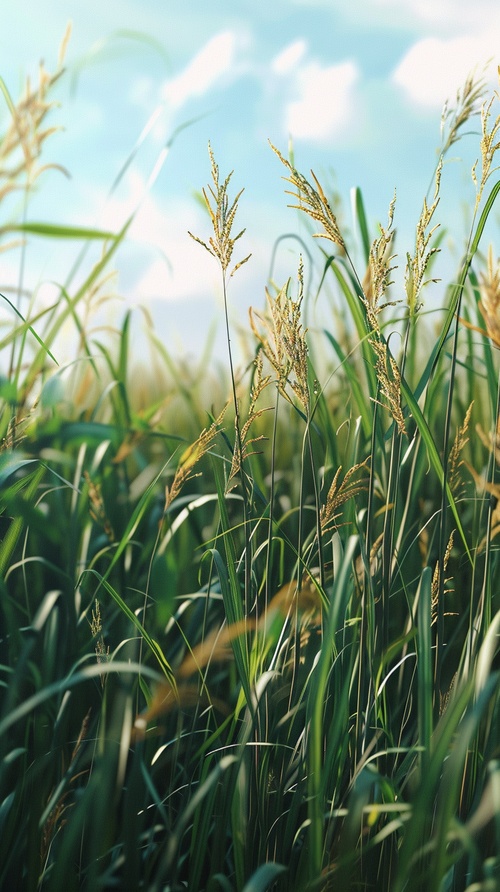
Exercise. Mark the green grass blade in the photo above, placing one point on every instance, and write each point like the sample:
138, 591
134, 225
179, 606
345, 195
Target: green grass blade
435, 461
58, 231
359, 213
26, 327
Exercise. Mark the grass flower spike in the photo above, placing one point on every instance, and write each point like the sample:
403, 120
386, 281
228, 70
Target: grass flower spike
313, 201
222, 214
489, 145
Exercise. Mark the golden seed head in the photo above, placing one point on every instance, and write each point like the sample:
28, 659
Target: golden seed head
222, 214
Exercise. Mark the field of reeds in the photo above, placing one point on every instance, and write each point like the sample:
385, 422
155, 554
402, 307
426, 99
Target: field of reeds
253, 643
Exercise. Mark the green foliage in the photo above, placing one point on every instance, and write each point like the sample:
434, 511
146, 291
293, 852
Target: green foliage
263, 656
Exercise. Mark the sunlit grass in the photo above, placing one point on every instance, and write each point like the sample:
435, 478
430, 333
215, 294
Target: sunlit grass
250, 622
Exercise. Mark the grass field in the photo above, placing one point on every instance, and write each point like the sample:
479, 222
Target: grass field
251, 641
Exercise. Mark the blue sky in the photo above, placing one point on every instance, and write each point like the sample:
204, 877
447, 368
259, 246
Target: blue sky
359, 87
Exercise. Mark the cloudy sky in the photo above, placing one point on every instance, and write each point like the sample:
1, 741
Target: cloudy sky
358, 86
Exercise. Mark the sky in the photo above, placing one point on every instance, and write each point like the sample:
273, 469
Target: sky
356, 87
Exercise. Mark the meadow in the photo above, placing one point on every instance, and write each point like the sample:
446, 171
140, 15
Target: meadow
250, 641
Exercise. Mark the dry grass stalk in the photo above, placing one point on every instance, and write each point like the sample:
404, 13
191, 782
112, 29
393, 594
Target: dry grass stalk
283, 342
190, 458
222, 214
313, 201
180, 694
291, 598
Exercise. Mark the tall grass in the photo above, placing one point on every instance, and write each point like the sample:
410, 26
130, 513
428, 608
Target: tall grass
254, 645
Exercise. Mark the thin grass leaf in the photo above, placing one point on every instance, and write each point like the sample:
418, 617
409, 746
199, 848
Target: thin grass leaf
58, 231
435, 461
27, 327
359, 214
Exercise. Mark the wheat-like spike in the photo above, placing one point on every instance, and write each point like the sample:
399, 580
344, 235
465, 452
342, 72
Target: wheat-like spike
455, 462
339, 494
237, 460
467, 105
190, 459
488, 148
269, 336
489, 305
260, 382
221, 244
417, 265
102, 652
25, 135
436, 577
379, 271
242, 445
283, 341
97, 508
312, 201
378, 278
389, 379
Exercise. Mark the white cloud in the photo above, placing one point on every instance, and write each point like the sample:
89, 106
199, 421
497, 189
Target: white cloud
324, 106
208, 66
447, 18
434, 69
288, 59
454, 15
187, 271
181, 268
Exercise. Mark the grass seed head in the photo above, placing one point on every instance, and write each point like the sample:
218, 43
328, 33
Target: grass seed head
489, 145
313, 201
21, 146
467, 105
418, 264
222, 215
283, 341
340, 492
190, 458
455, 460
489, 305
379, 271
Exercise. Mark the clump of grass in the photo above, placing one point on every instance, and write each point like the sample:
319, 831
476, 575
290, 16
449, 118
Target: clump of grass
268, 659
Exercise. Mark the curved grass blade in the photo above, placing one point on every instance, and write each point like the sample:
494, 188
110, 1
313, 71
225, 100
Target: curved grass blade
27, 327
72, 680
434, 459
57, 230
